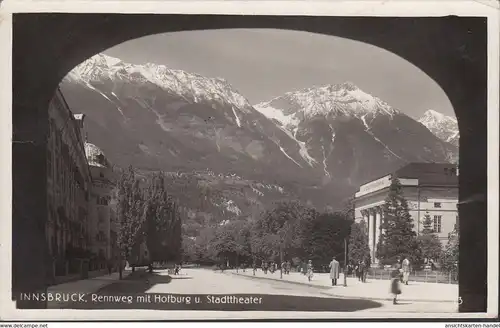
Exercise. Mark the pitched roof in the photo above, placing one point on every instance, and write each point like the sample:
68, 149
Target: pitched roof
441, 174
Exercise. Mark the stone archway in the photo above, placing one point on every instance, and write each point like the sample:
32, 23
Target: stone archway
451, 50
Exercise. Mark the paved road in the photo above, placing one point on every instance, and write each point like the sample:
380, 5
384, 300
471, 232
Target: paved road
178, 293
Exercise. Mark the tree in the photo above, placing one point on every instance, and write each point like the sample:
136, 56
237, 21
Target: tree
277, 233
324, 236
129, 213
429, 243
398, 239
358, 249
449, 258
232, 242
163, 220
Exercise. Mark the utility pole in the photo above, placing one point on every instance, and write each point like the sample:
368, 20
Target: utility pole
281, 262
345, 262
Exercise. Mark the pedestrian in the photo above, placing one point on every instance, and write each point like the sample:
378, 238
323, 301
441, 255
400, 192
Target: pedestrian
334, 271
288, 266
310, 271
395, 287
406, 271
365, 270
362, 270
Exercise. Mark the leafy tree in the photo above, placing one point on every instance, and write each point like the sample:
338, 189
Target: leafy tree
277, 233
430, 245
358, 249
129, 212
232, 242
449, 257
324, 237
398, 239
163, 221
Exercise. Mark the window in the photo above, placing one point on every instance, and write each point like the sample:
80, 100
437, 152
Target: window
437, 223
437, 205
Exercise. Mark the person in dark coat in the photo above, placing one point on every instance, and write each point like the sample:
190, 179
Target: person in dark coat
395, 287
362, 271
334, 271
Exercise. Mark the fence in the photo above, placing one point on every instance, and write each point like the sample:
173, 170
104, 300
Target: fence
420, 276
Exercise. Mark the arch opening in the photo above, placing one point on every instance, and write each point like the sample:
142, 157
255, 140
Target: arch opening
446, 75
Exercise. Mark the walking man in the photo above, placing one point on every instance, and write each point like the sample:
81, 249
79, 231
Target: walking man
406, 271
334, 271
362, 271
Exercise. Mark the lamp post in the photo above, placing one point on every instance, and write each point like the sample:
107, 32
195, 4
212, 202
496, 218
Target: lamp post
345, 262
281, 262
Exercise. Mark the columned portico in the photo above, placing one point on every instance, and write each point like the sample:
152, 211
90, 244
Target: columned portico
378, 226
373, 217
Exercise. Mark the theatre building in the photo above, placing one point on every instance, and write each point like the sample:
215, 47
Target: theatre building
428, 187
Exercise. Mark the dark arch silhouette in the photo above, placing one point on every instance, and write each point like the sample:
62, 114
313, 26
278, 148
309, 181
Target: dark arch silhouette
451, 50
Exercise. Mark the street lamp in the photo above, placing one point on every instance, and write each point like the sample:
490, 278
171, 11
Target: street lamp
281, 262
345, 262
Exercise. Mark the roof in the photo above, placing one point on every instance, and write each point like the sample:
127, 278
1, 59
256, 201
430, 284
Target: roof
436, 174
95, 156
441, 174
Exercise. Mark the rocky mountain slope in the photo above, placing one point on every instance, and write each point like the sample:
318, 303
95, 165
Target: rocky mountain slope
351, 134
318, 144
444, 127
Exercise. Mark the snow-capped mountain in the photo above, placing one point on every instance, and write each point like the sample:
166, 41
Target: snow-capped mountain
332, 100
319, 143
193, 87
444, 127
340, 126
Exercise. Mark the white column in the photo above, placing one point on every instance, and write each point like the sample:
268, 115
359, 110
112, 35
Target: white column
378, 222
371, 230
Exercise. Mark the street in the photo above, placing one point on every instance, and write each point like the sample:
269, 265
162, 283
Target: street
159, 291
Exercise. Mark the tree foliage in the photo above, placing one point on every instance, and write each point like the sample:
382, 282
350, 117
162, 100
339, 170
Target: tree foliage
147, 214
449, 257
398, 239
429, 243
163, 220
358, 243
129, 208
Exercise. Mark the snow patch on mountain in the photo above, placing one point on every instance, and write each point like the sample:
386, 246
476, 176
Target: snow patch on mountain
111, 101
193, 87
238, 122
367, 130
339, 99
442, 126
288, 121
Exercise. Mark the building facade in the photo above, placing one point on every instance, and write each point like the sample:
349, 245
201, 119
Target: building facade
102, 223
429, 188
68, 183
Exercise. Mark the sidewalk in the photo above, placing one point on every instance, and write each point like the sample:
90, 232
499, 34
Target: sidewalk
86, 286
372, 289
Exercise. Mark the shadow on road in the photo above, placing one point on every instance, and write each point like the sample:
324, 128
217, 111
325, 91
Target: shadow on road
130, 294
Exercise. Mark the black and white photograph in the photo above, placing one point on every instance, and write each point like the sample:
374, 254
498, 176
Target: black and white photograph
340, 163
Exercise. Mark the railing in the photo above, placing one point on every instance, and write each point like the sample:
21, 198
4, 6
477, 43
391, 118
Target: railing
419, 276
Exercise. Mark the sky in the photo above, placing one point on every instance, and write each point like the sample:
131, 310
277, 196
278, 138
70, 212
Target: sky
265, 63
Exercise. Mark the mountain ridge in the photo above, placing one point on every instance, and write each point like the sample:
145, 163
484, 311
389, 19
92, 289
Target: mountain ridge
157, 118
